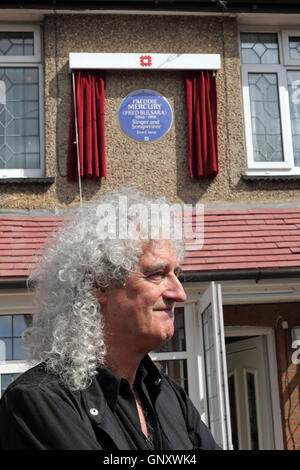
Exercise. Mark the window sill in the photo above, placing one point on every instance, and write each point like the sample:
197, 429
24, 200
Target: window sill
44, 181
271, 177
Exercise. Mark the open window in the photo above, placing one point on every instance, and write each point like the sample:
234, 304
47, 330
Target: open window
196, 358
210, 318
176, 358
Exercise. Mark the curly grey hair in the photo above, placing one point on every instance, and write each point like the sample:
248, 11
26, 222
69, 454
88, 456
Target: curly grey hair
67, 329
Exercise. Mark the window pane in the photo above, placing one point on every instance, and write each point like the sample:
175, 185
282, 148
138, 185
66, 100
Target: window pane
31, 126
16, 144
14, 127
5, 326
177, 370
11, 329
294, 99
265, 117
252, 411
5, 349
32, 160
20, 323
21, 75
259, 48
7, 379
11, 160
31, 91
233, 408
177, 342
16, 44
31, 109
18, 349
19, 118
213, 398
294, 47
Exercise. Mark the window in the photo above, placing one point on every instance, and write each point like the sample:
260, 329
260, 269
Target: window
21, 144
252, 410
177, 358
12, 354
271, 92
172, 356
11, 329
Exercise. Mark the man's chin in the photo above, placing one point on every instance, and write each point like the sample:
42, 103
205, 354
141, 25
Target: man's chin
166, 337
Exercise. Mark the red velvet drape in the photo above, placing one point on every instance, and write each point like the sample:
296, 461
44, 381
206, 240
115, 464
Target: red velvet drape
90, 97
201, 104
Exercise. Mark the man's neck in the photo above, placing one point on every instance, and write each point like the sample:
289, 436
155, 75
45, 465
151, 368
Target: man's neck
127, 367
123, 365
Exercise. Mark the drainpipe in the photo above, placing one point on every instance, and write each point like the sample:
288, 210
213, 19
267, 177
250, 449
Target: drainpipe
13, 284
239, 275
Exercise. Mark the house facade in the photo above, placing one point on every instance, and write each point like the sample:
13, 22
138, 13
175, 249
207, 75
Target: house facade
236, 347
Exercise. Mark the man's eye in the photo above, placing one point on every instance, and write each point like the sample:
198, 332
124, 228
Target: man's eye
156, 275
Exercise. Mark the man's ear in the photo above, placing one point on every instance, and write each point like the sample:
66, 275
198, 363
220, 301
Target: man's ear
101, 295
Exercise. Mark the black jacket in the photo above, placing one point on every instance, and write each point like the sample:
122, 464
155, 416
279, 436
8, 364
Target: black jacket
36, 412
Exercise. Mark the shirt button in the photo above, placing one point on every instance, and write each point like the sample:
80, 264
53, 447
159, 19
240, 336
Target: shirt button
157, 381
94, 411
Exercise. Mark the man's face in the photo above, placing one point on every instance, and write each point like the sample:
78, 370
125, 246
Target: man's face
141, 314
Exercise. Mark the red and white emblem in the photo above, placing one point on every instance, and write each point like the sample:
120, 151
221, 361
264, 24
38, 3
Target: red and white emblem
146, 60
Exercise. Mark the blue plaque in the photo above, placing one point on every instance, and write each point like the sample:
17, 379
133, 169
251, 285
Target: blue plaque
145, 115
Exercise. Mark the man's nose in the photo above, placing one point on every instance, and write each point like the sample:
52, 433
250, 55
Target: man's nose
175, 291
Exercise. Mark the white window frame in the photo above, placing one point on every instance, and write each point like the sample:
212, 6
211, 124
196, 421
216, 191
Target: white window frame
213, 296
189, 319
28, 61
286, 167
14, 366
286, 33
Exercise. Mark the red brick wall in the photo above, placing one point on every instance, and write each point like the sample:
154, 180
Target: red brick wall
288, 373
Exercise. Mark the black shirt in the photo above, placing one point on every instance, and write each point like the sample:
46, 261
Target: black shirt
37, 412
119, 395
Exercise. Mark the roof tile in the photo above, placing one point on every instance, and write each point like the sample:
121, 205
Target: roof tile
21, 242
233, 240
247, 239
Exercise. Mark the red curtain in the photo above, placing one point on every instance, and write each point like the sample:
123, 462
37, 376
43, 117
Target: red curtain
90, 97
201, 104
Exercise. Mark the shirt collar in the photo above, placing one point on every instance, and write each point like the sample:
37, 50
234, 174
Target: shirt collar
110, 383
148, 372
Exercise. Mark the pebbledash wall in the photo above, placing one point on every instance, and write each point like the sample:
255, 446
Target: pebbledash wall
157, 167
